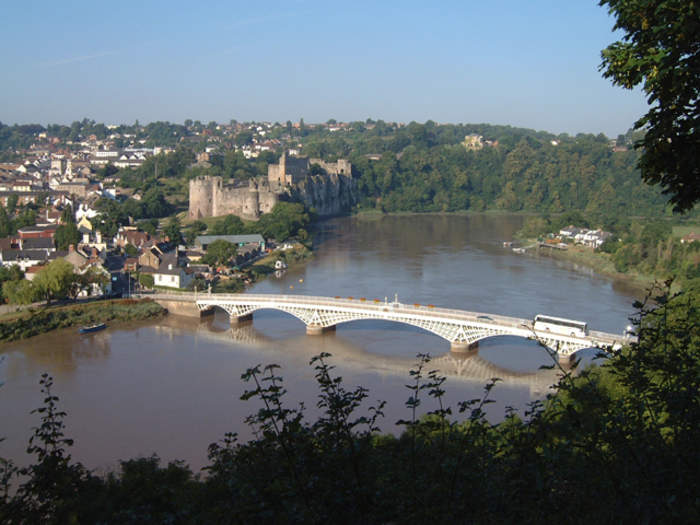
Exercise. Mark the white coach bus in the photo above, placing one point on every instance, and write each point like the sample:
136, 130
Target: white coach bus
561, 326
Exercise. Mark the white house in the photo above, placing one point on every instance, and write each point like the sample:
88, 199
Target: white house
172, 277
23, 258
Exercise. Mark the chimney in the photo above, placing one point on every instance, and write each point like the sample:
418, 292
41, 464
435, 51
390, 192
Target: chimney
170, 267
94, 251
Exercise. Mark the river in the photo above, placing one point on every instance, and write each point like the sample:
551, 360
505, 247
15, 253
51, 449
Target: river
172, 387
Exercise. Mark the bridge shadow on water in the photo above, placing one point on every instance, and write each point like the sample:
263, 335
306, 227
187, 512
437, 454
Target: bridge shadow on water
388, 348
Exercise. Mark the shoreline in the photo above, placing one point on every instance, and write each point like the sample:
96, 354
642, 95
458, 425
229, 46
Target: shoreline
30, 322
597, 262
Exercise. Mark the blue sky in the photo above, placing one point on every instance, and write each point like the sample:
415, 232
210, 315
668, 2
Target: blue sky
527, 63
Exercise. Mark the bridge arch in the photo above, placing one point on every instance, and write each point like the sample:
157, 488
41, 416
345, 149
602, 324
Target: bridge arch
461, 328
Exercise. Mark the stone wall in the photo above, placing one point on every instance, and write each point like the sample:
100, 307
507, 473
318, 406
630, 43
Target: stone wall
327, 195
290, 179
209, 197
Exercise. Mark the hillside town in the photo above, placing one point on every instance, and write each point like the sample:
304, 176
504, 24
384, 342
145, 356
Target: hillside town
56, 196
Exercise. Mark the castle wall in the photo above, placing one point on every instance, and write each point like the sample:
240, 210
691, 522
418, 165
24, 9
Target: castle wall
267, 200
201, 198
209, 197
341, 167
330, 194
327, 195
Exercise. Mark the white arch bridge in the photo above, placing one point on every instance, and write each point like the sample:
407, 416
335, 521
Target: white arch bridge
461, 328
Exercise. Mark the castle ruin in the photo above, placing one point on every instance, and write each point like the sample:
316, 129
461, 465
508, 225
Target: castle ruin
290, 179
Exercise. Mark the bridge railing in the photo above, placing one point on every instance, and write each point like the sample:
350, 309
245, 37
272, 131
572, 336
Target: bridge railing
373, 304
311, 300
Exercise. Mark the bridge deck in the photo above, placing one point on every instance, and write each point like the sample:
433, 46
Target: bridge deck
362, 304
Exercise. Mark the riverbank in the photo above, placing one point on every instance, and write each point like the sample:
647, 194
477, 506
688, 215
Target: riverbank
35, 321
372, 213
600, 263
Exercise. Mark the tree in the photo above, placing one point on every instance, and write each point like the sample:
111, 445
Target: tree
154, 203
173, 230
244, 138
149, 226
66, 234
67, 215
146, 280
219, 252
196, 228
231, 225
5, 223
12, 203
55, 280
661, 50
20, 291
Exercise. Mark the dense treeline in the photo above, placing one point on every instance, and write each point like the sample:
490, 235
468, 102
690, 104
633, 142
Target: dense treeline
422, 167
618, 443
425, 167
651, 249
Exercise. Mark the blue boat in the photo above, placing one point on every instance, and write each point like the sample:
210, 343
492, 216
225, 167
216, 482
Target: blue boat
92, 328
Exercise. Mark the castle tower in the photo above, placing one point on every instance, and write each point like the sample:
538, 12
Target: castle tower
201, 198
251, 205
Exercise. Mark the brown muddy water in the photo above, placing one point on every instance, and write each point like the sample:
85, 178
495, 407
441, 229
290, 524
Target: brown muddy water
172, 387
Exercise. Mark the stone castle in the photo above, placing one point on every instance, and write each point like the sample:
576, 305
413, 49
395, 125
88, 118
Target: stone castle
329, 193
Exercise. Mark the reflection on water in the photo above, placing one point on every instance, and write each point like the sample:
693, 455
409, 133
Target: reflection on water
173, 386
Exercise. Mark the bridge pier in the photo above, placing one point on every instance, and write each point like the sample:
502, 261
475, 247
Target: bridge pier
237, 320
459, 347
314, 329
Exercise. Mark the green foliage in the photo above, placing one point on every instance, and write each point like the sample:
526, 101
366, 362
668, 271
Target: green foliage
228, 286
11, 273
146, 280
51, 490
114, 214
20, 291
244, 138
6, 226
220, 252
12, 203
67, 215
425, 168
284, 221
230, 225
196, 228
36, 322
535, 226
66, 234
660, 49
55, 280
173, 230
131, 250
150, 226
25, 217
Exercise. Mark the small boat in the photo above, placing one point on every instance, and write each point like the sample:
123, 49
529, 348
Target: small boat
92, 328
